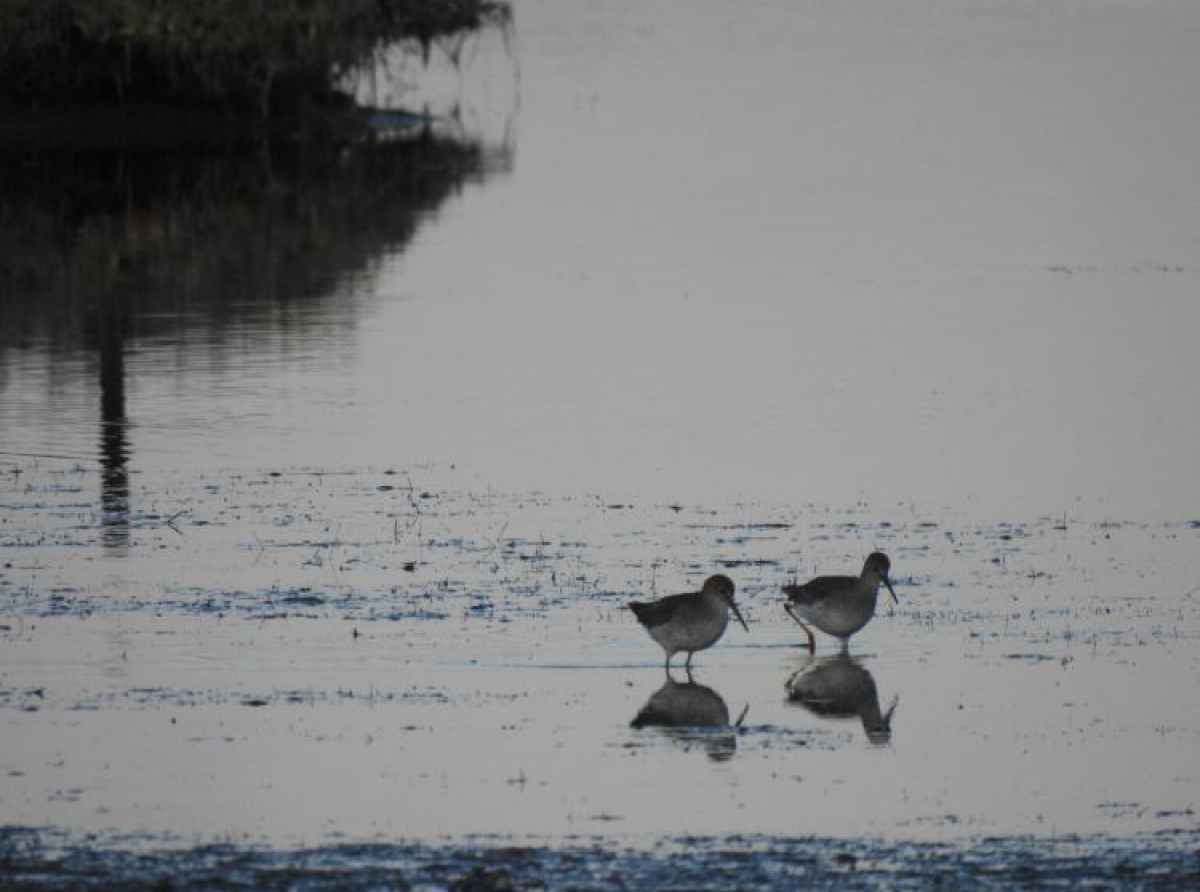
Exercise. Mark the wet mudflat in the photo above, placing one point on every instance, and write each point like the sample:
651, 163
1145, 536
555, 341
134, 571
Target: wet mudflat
33, 861
298, 657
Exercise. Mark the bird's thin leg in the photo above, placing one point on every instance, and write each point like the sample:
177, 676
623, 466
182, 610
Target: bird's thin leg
812, 641
667, 665
688, 664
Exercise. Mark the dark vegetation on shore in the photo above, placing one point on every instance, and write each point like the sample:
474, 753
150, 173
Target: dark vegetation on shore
258, 57
186, 160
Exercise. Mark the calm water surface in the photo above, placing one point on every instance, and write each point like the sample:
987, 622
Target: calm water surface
324, 481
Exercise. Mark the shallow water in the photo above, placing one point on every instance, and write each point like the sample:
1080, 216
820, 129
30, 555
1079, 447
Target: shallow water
266, 669
323, 485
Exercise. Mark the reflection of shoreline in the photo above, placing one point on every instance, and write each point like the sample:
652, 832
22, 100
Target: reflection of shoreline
114, 446
839, 686
683, 707
101, 250
207, 239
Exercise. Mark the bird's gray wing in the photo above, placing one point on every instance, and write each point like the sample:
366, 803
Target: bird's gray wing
655, 613
817, 590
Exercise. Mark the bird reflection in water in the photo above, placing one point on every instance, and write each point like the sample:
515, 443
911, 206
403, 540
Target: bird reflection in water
840, 687
692, 713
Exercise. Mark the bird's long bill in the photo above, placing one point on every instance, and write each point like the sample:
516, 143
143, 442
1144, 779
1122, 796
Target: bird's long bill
738, 614
891, 590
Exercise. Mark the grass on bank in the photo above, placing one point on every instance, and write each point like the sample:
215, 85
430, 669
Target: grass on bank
261, 56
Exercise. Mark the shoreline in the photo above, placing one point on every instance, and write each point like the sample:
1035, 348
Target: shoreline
163, 127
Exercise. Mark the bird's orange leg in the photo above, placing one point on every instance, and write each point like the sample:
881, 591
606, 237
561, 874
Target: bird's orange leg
812, 641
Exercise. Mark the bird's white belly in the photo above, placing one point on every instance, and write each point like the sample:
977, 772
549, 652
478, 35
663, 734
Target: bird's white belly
832, 619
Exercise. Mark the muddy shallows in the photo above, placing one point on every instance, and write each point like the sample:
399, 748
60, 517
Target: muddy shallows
32, 859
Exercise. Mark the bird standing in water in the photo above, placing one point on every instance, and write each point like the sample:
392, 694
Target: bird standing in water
839, 605
689, 622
